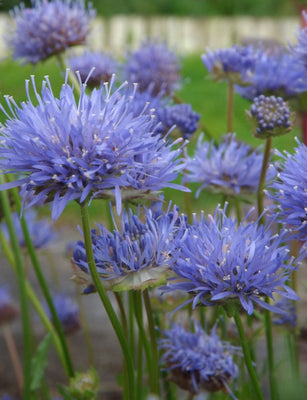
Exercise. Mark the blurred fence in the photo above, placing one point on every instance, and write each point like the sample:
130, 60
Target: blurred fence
187, 35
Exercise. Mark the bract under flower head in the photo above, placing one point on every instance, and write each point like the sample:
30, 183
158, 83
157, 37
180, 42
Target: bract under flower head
197, 360
222, 262
135, 257
105, 66
40, 231
153, 67
230, 167
72, 149
234, 64
276, 73
289, 192
8, 310
48, 28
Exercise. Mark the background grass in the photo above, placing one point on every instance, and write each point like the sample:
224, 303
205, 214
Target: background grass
207, 98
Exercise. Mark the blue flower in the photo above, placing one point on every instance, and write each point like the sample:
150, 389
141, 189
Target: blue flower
48, 28
300, 49
105, 66
197, 360
8, 310
234, 64
277, 73
153, 67
289, 191
67, 311
269, 116
134, 257
40, 231
222, 262
70, 149
288, 317
230, 167
181, 115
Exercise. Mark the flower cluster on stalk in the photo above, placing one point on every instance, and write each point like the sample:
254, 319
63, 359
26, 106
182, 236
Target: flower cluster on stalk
68, 149
223, 262
230, 167
48, 28
196, 360
136, 256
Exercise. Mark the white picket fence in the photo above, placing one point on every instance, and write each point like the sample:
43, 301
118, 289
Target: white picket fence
186, 35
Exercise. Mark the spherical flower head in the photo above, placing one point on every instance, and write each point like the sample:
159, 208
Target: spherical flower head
289, 192
222, 262
8, 310
269, 116
75, 149
105, 66
153, 67
135, 257
68, 313
40, 230
181, 115
229, 167
48, 28
288, 317
197, 360
276, 73
84, 385
234, 64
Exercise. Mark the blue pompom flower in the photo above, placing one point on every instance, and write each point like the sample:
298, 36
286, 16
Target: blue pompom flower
230, 167
276, 73
289, 192
68, 149
48, 28
136, 256
196, 360
153, 66
234, 64
105, 66
222, 262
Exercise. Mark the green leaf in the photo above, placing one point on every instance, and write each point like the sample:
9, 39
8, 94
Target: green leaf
39, 363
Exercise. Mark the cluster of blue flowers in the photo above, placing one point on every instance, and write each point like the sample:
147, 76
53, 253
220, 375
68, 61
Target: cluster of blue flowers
115, 142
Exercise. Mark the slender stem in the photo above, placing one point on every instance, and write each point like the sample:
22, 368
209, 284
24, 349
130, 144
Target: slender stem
34, 300
139, 385
238, 210
104, 297
122, 312
230, 108
270, 351
44, 286
247, 357
25, 312
153, 342
137, 301
12, 349
265, 162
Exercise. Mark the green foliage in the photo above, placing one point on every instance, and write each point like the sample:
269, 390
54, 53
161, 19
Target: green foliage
39, 363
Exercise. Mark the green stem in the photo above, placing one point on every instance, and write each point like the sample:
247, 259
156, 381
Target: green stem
33, 299
238, 210
137, 302
247, 357
44, 286
270, 351
265, 162
139, 385
153, 342
104, 297
25, 312
230, 108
